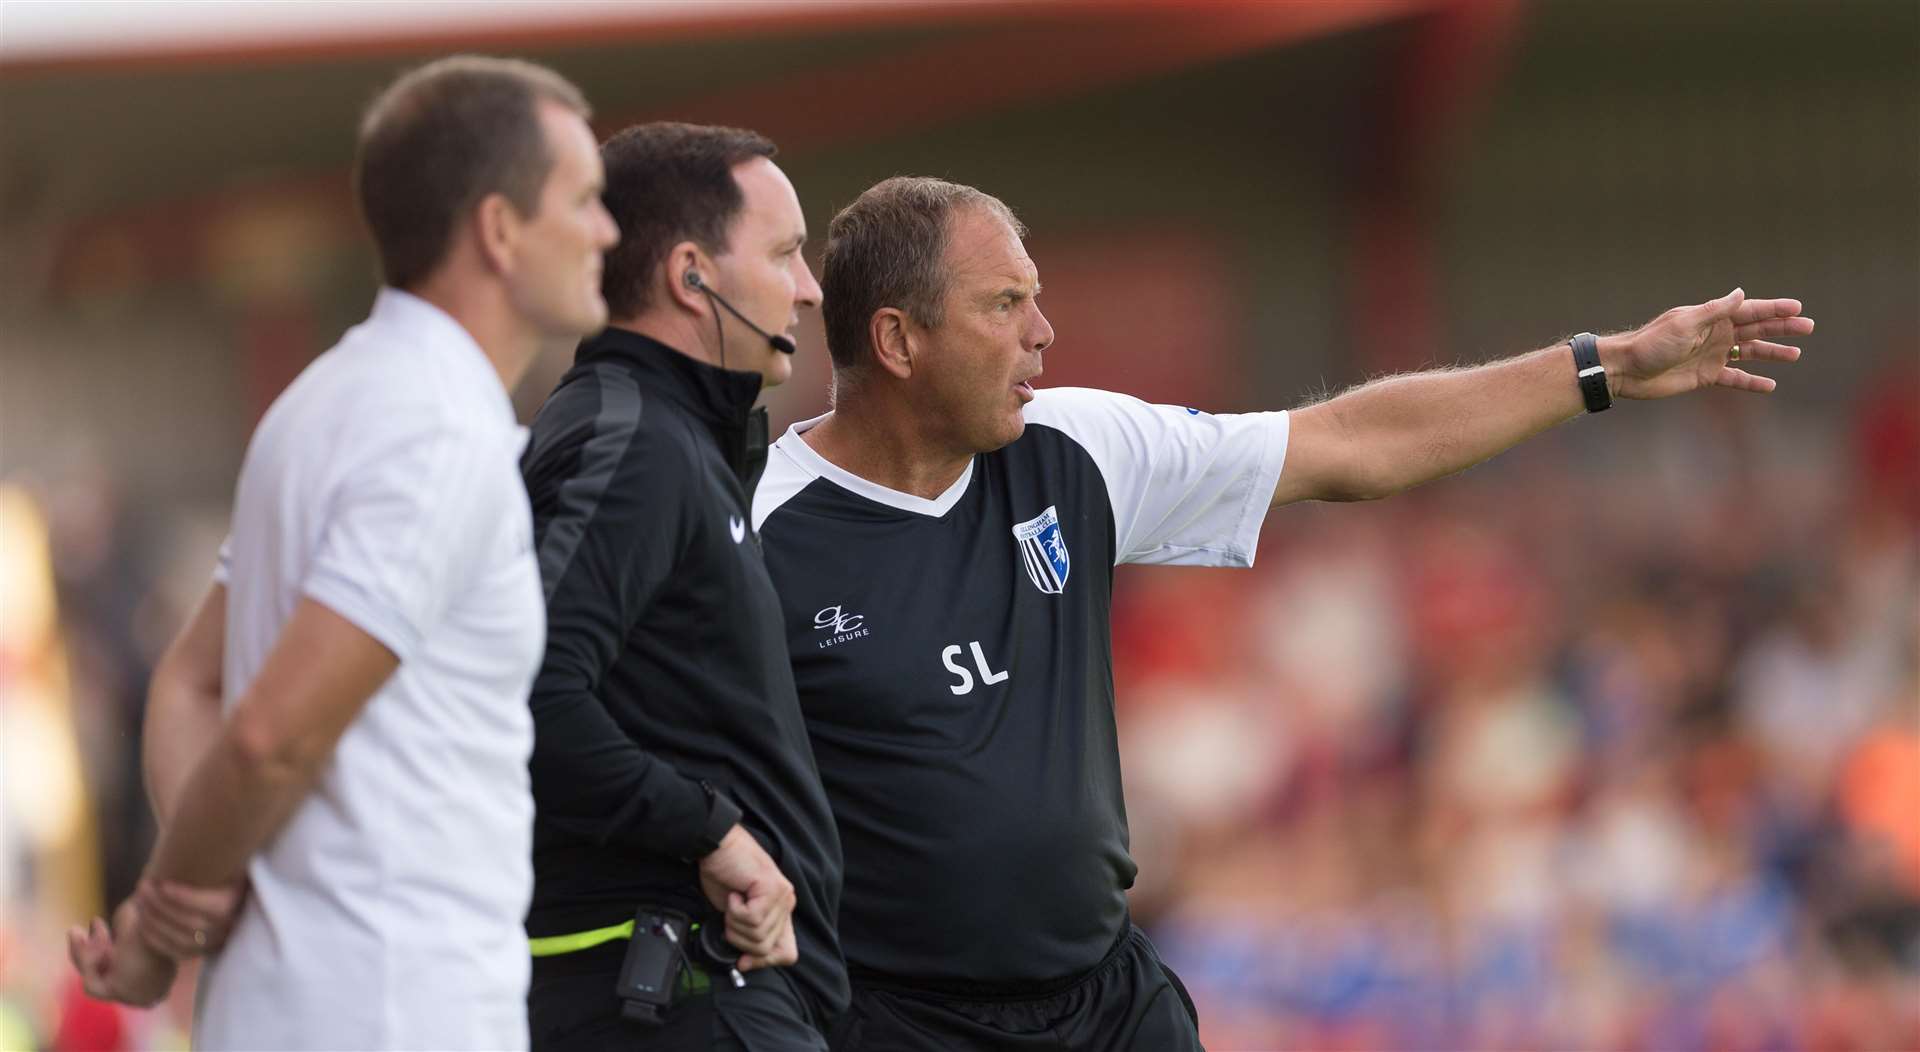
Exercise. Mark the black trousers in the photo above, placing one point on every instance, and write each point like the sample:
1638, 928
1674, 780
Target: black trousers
571, 1007
1130, 1001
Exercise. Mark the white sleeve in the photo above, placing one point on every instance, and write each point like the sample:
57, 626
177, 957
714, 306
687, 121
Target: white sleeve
400, 534
1187, 488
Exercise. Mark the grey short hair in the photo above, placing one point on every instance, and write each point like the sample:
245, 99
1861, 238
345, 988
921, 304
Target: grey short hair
887, 249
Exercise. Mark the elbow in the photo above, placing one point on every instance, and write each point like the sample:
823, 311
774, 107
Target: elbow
174, 702
176, 683
1361, 482
1362, 491
1356, 496
1379, 488
1341, 487
1356, 462
266, 754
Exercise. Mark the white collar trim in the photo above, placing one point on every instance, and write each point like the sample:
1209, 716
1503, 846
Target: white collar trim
820, 467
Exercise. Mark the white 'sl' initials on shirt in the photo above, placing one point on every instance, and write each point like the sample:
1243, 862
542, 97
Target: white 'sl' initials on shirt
965, 686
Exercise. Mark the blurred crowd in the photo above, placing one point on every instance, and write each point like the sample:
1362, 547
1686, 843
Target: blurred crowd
1611, 743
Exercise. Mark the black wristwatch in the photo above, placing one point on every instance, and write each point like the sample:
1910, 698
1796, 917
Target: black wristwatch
1590, 373
722, 815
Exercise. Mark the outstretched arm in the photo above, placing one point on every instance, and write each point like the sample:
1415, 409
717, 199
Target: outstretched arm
1396, 433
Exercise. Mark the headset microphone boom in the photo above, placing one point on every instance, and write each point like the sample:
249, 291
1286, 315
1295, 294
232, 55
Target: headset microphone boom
777, 341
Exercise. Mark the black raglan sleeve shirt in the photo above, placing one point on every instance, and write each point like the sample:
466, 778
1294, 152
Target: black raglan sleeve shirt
666, 665
608, 524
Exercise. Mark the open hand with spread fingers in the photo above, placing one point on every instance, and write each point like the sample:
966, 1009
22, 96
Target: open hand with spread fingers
1704, 345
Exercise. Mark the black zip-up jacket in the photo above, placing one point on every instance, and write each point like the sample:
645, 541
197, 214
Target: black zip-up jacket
666, 662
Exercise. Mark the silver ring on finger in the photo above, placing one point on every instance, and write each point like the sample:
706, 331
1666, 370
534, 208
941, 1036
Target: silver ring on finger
200, 938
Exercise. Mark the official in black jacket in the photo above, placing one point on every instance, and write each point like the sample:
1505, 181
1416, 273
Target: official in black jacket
671, 765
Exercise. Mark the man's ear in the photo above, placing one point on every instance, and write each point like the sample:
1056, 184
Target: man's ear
496, 228
682, 260
891, 337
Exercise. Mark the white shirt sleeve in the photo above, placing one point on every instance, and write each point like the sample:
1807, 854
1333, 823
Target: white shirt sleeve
1187, 488
401, 533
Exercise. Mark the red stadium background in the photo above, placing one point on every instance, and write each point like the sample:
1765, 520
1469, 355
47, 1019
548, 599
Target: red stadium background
1613, 742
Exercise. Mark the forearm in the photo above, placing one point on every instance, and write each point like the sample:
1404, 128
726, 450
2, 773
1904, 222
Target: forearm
271, 748
230, 805
1429, 425
183, 703
591, 780
181, 725
1396, 433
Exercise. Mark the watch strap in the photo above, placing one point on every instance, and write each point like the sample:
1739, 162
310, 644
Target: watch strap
1591, 375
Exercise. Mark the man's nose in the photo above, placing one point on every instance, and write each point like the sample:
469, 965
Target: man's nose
1042, 336
806, 289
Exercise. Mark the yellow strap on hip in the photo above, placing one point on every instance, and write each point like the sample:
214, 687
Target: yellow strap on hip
553, 945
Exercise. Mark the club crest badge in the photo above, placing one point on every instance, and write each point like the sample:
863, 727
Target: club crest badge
1043, 550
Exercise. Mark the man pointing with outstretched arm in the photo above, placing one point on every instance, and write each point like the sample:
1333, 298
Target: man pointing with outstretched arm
968, 525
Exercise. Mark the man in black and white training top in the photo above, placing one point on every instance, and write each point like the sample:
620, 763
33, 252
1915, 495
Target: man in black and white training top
943, 543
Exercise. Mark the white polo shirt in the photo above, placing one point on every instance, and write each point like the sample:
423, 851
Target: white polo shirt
388, 912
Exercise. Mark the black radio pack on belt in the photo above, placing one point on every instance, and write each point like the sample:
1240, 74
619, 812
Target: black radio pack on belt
655, 956
664, 943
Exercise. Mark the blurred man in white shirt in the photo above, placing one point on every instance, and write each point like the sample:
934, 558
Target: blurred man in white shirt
336, 743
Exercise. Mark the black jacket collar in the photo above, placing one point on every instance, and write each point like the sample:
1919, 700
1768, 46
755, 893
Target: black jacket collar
720, 398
